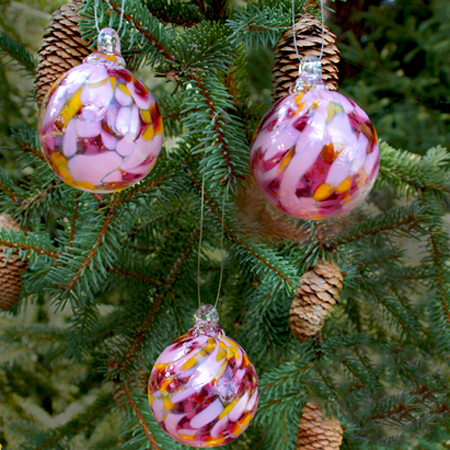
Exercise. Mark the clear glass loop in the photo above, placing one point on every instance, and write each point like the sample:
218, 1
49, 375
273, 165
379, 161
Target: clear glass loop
207, 315
309, 75
108, 42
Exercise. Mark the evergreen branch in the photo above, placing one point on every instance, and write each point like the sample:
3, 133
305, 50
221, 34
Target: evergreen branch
167, 284
403, 168
440, 278
230, 234
139, 189
382, 300
353, 371
135, 230
21, 57
26, 148
143, 249
79, 423
21, 246
109, 217
74, 219
142, 29
213, 113
282, 399
381, 259
139, 416
406, 218
38, 197
205, 48
401, 408
286, 377
218, 135
176, 12
259, 26
9, 193
440, 260
136, 275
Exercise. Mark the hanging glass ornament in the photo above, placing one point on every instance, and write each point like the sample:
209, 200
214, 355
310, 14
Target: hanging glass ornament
203, 388
100, 128
315, 153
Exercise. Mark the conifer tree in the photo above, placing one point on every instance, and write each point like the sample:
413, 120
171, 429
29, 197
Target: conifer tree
111, 280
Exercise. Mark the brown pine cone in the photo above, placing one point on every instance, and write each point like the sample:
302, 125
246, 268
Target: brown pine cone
316, 433
309, 42
11, 272
62, 48
314, 299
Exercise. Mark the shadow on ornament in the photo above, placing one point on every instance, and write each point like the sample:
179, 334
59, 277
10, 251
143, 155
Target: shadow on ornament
407, 397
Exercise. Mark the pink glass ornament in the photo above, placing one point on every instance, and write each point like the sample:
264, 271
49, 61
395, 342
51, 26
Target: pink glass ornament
100, 128
203, 389
315, 154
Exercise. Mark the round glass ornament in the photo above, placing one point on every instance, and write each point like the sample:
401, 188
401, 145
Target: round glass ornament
203, 389
100, 128
315, 153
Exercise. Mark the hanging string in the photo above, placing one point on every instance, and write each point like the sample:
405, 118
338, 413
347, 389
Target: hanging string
122, 10
202, 209
202, 215
295, 33
221, 253
95, 16
323, 29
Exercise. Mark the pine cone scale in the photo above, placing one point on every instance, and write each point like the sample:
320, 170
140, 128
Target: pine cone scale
62, 48
316, 432
309, 43
314, 299
11, 280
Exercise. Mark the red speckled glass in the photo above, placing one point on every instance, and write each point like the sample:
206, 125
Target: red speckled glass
203, 389
100, 128
315, 154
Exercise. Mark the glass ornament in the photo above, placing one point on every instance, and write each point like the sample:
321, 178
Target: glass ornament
100, 128
315, 153
203, 389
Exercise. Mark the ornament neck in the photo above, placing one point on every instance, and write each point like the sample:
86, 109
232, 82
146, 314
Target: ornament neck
310, 76
207, 322
108, 50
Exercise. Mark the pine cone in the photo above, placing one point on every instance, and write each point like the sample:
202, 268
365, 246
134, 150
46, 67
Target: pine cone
11, 273
62, 48
309, 43
314, 299
316, 433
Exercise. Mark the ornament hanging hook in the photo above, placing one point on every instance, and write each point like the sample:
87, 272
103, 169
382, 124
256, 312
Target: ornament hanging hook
202, 211
221, 253
122, 10
95, 16
322, 18
295, 34
202, 214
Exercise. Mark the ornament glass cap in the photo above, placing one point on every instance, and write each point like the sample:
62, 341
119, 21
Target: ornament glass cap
207, 316
108, 50
310, 75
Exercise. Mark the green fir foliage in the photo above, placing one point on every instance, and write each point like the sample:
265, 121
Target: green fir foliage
111, 279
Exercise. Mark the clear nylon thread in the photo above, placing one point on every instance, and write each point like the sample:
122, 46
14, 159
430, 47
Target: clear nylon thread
221, 253
295, 34
122, 10
202, 209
